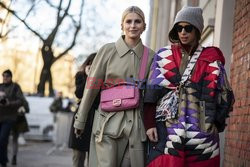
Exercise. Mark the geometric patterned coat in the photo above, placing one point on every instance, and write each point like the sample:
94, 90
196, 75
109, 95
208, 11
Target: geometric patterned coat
191, 138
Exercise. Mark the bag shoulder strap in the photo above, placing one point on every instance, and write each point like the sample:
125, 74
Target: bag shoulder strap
143, 63
191, 65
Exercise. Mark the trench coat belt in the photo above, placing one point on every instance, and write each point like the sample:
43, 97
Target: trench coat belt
99, 138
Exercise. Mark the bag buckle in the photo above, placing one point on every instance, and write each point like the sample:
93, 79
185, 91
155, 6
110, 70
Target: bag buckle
117, 102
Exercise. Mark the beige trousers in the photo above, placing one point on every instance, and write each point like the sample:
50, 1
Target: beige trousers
78, 158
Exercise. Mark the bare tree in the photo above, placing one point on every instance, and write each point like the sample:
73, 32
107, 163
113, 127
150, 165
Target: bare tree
4, 23
49, 43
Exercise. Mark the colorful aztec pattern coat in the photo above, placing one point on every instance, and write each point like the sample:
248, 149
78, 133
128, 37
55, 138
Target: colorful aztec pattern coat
191, 139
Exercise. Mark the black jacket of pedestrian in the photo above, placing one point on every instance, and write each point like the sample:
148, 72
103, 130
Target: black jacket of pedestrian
83, 143
14, 95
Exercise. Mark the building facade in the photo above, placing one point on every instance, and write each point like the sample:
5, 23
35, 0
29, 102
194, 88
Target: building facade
237, 142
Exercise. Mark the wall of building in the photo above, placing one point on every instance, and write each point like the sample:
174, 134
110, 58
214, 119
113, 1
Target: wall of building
223, 32
237, 145
162, 15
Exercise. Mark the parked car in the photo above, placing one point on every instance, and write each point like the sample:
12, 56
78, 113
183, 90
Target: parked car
40, 119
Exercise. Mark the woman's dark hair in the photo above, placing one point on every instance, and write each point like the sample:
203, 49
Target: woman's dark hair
174, 38
7, 72
87, 62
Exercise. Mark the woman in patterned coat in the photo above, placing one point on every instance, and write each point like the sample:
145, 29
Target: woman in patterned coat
188, 134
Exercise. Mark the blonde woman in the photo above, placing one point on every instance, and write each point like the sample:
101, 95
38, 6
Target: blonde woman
117, 137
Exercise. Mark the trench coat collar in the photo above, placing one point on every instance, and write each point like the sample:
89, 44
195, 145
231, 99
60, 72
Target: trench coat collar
123, 49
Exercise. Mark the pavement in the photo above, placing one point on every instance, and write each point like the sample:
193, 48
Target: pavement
42, 154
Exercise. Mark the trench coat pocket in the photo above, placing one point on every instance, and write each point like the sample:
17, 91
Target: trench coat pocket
107, 123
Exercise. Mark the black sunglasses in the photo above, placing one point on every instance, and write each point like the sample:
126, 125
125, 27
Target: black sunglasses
187, 28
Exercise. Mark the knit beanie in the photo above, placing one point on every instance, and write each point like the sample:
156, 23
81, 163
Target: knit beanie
191, 15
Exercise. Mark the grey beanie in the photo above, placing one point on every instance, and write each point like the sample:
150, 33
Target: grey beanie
192, 15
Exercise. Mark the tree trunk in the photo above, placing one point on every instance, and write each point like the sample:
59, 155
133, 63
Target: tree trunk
45, 76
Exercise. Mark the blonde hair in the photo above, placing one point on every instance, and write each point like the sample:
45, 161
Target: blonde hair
133, 9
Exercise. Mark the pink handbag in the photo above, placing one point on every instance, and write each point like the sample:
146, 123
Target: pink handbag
124, 95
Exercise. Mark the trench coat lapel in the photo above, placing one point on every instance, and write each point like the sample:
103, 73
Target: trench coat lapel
123, 49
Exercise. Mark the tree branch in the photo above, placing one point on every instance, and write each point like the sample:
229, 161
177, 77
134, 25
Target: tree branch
31, 8
52, 35
71, 46
23, 21
2, 34
51, 5
77, 29
59, 9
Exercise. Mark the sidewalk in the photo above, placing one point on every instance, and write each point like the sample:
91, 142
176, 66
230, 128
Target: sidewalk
35, 154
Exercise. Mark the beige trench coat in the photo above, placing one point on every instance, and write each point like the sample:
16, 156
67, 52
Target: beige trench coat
114, 129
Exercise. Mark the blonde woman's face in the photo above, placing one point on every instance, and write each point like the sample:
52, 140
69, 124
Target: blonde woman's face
133, 26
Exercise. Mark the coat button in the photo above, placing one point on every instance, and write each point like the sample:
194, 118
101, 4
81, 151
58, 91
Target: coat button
131, 146
131, 76
131, 52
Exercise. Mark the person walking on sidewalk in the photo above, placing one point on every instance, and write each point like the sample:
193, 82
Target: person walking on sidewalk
19, 128
81, 145
193, 98
117, 136
57, 104
10, 100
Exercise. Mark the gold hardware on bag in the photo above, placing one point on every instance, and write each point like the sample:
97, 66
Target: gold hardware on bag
117, 102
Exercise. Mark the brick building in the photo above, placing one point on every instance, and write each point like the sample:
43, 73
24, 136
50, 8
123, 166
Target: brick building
237, 140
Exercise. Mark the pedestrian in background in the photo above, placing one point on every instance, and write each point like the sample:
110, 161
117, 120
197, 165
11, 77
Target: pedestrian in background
57, 104
117, 136
81, 145
192, 100
10, 100
20, 127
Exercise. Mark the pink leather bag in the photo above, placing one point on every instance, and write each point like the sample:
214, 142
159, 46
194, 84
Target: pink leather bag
125, 95
122, 96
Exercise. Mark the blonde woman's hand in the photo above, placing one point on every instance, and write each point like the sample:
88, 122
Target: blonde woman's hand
152, 134
78, 132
